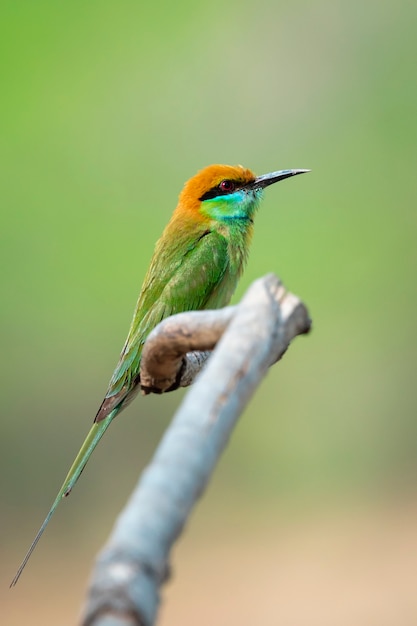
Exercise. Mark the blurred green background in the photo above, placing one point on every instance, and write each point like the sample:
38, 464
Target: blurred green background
106, 109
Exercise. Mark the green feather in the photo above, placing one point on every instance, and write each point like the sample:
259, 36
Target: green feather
196, 264
206, 279
92, 439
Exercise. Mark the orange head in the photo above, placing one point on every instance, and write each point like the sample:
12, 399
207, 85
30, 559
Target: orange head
226, 192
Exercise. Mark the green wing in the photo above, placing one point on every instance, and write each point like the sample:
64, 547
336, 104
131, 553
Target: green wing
185, 277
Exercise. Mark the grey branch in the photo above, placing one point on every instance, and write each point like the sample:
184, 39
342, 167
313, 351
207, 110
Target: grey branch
248, 339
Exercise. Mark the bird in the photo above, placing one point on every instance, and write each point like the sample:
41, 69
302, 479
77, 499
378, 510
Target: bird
196, 265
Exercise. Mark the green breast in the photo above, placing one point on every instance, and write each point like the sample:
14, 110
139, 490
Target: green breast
238, 234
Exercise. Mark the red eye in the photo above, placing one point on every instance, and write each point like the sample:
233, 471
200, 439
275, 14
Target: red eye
227, 186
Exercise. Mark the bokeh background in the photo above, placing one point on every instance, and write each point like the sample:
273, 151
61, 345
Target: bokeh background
106, 109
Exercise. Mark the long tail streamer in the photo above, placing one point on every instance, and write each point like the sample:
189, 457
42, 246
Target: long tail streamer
96, 432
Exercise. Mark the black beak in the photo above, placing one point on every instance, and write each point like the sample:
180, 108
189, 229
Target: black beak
269, 179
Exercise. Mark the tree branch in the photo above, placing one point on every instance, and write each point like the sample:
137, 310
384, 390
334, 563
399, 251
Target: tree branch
249, 338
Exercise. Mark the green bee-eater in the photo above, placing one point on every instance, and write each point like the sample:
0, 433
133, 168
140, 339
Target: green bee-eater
196, 265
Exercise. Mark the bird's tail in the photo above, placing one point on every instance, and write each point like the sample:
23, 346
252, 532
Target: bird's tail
96, 432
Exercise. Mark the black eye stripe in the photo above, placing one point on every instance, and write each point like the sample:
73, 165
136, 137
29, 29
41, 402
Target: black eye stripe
216, 191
